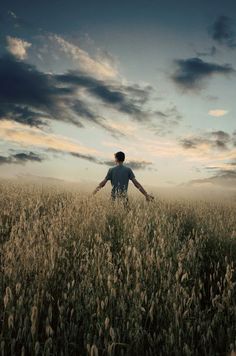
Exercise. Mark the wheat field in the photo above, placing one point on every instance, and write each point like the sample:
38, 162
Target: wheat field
81, 275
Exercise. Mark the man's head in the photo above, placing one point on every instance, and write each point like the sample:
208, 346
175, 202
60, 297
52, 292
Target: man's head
119, 157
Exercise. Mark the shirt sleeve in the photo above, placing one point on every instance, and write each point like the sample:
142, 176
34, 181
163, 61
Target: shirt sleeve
108, 176
131, 174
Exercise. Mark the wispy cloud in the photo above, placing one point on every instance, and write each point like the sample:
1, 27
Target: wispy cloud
191, 72
98, 67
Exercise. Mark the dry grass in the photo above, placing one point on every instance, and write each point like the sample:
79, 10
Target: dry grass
80, 275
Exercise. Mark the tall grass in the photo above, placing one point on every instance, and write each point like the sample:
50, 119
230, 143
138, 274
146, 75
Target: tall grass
81, 275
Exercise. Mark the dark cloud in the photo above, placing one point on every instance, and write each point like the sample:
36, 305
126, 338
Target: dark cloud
216, 139
132, 164
223, 31
24, 157
221, 139
23, 115
192, 142
126, 99
79, 107
212, 168
86, 157
161, 114
74, 154
137, 165
191, 72
141, 95
30, 96
22, 84
21, 158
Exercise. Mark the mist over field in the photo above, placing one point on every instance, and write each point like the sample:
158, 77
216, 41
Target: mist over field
206, 191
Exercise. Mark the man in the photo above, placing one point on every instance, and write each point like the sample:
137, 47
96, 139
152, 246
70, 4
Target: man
119, 176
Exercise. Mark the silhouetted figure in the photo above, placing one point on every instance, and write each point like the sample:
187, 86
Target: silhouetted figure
119, 175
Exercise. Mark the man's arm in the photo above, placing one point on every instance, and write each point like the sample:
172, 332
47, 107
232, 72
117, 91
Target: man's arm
100, 185
141, 189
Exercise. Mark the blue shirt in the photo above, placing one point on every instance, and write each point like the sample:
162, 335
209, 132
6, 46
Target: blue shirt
119, 177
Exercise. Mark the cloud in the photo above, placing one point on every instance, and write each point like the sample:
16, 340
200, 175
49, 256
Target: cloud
136, 165
127, 99
30, 96
221, 135
24, 87
222, 31
205, 153
23, 114
21, 158
34, 137
166, 121
86, 157
234, 138
191, 72
17, 47
217, 112
222, 178
214, 140
98, 67
121, 97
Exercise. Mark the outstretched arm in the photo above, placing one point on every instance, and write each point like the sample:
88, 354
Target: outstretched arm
100, 185
142, 190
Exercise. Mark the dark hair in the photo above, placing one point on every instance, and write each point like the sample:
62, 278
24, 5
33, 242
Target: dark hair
120, 156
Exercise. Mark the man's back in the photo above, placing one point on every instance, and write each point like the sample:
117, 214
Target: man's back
119, 176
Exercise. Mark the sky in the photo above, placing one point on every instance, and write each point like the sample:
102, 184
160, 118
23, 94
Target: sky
81, 80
